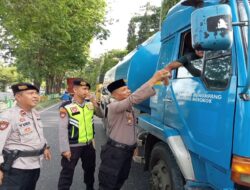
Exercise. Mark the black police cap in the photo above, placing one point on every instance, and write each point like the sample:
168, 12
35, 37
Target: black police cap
22, 87
115, 85
81, 82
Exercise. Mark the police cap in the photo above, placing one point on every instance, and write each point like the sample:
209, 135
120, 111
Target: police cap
22, 87
81, 82
115, 85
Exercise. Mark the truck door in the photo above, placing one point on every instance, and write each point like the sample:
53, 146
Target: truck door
202, 108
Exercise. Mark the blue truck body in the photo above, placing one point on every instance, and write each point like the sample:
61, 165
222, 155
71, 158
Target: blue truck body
202, 122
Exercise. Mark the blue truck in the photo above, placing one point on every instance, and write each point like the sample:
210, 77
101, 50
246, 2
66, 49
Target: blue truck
195, 132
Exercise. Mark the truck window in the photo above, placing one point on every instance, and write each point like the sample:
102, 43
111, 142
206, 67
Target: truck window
166, 55
186, 48
184, 73
217, 69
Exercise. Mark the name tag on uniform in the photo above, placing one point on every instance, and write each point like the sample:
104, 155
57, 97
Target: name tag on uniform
25, 128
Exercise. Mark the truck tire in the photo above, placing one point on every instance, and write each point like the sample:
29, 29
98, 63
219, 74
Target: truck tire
165, 173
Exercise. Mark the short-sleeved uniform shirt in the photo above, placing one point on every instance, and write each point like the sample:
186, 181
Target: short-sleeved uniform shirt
23, 131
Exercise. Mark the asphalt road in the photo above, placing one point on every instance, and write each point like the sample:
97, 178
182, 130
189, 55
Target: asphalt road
138, 179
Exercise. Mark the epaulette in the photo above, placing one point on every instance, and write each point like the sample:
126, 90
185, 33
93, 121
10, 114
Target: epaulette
65, 103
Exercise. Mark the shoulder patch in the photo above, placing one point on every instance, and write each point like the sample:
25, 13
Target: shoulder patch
22, 113
74, 109
3, 125
65, 103
63, 112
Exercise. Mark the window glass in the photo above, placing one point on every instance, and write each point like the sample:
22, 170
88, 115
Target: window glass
184, 73
217, 69
193, 67
166, 55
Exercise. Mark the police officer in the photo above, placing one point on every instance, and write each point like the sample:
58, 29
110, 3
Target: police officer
22, 141
116, 154
76, 135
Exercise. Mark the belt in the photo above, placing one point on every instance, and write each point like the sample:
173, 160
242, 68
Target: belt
21, 153
83, 144
122, 146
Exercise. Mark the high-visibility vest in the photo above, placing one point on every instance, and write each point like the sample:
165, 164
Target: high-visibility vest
80, 126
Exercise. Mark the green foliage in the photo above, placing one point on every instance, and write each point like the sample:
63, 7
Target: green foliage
101, 65
166, 5
110, 59
147, 24
95, 69
8, 75
50, 37
132, 37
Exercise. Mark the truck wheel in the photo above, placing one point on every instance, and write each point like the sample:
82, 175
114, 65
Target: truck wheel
165, 173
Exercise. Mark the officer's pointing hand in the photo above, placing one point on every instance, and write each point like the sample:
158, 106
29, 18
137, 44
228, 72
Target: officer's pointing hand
1, 177
94, 101
67, 155
47, 154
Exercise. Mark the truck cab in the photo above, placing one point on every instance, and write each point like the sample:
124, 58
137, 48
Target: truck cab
197, 133
194, 133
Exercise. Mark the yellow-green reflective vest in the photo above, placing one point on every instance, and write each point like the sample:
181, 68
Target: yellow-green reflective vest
80, 126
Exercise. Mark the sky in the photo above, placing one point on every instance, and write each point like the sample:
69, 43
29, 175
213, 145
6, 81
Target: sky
121, 11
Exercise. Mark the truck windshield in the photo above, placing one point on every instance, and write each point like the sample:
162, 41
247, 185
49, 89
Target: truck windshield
243, 17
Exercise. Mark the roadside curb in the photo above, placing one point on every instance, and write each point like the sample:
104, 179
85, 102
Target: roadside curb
45, 109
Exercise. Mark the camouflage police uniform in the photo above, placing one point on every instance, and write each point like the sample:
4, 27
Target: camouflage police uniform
22, 137
117, 153
76, 134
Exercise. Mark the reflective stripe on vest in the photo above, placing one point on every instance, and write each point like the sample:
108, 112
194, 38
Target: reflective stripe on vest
80, 124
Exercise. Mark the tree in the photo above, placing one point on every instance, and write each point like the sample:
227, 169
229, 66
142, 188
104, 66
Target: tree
146, 25
149, 23
132, 37
51, 37
166, 5
8, 76
110, 59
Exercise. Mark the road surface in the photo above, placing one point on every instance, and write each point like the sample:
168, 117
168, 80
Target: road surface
138, 179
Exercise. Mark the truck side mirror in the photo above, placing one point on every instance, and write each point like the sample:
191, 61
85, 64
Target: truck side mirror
211, 28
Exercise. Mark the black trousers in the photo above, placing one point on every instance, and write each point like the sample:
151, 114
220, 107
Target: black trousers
114, 168
20, 179
87, 155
